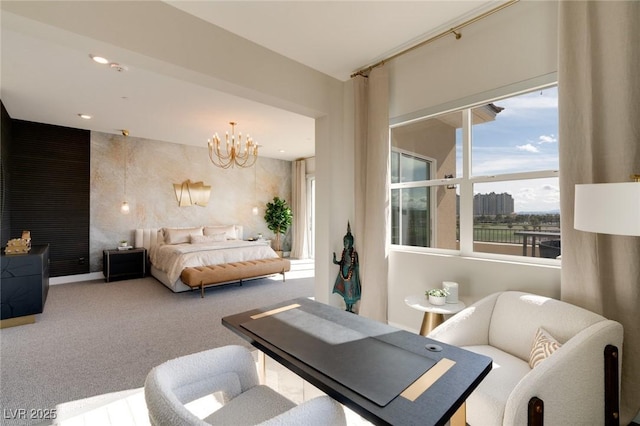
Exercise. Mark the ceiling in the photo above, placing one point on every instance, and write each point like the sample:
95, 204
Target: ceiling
48, 77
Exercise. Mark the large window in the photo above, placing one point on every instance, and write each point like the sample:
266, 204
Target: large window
483, 179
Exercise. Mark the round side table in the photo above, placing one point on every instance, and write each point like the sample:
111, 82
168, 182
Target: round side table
433, 314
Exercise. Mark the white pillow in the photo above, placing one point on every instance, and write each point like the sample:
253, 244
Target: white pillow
180, 235
229, 231
213, 238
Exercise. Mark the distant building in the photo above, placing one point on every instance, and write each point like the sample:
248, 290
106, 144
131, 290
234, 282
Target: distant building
492, 204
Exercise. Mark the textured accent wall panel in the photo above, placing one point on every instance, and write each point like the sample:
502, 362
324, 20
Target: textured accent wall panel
50, 191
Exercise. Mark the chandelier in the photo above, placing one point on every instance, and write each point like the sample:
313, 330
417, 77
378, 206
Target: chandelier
236, 153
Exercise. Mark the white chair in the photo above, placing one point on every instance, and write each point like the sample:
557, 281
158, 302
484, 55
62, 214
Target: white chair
576, 384
230, 370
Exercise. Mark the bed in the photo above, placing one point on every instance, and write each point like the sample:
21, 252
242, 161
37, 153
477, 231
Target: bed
171, 250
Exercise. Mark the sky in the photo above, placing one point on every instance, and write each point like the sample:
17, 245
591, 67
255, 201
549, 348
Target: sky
522, 138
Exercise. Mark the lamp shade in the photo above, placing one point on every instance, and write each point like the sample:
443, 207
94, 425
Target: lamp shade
608, 208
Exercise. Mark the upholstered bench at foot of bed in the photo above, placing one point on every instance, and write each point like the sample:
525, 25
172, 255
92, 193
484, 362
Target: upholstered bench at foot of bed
202, 276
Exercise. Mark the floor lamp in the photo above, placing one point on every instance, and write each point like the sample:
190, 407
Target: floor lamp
608, 208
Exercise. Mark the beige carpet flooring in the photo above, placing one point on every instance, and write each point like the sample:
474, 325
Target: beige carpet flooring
96, 338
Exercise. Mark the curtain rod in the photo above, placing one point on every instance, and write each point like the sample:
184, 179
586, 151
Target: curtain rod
455, 31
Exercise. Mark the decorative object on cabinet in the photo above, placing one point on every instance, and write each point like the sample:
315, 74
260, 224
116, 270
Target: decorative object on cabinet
24, 286
236, 153
19, 245
192, 193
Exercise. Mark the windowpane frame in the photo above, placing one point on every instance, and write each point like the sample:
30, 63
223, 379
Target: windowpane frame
464, 180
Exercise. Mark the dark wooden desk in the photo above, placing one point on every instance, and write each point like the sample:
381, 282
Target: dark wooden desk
456, 373
534, 236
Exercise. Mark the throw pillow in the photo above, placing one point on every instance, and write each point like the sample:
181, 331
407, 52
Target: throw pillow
229, 230
543, 346
180, 235
202, 239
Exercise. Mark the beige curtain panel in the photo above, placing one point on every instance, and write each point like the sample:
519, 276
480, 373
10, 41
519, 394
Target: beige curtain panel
372, 189
299, 231
599, 108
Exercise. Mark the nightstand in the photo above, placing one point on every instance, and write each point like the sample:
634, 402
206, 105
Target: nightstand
124, 264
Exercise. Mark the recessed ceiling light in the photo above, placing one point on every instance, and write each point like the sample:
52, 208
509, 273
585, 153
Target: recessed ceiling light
281, 151
84, 116
99, 59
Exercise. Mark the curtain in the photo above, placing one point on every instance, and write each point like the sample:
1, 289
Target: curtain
372, 189
299, 231
599, 108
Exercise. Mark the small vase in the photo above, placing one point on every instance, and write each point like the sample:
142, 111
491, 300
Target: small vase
437, 300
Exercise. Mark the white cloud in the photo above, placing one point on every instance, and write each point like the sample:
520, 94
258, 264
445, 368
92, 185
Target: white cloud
547, 139
528, 148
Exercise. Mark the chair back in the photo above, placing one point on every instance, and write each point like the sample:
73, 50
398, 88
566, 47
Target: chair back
517, 316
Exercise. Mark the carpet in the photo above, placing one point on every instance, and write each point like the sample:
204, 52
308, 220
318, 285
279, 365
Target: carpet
95, 338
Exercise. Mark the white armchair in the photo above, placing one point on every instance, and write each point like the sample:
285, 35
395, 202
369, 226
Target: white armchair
230, 370
576, 384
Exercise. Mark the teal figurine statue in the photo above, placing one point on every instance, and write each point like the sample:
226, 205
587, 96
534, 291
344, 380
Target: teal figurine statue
348, 280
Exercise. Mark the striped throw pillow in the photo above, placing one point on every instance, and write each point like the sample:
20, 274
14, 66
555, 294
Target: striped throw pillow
543, 346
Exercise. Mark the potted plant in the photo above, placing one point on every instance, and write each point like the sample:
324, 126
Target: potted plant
123, 243
278, 217
437, 296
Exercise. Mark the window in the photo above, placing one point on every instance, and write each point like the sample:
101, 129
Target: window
483, 179
411, 205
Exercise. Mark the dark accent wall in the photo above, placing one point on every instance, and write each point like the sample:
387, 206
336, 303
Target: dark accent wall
49, 168
5, 139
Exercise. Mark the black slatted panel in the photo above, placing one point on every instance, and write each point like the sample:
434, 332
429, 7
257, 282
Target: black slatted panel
5, 139
50, 173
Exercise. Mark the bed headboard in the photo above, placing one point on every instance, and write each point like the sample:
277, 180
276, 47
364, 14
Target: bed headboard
148, 237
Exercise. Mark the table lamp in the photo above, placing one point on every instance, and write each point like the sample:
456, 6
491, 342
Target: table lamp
608, 208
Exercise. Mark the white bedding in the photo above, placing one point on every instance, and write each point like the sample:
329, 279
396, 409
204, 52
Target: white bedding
173, 258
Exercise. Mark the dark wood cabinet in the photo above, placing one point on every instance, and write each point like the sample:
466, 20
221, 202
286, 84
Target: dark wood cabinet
25, 284
124, 264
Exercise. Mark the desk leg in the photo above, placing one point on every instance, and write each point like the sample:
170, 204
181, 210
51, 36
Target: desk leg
460, 416
429, 322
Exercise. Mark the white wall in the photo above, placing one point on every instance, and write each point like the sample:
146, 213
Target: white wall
497, 54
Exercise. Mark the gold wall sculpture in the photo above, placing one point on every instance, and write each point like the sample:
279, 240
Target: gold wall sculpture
192, 193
